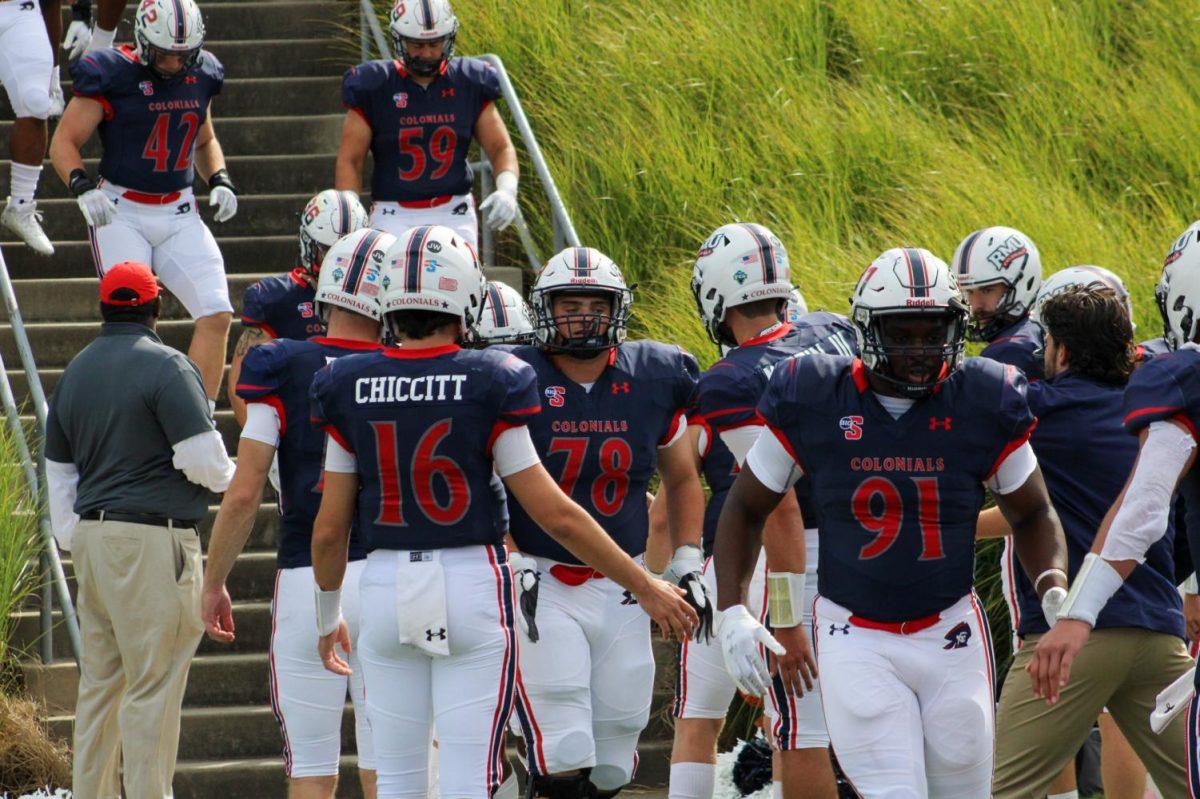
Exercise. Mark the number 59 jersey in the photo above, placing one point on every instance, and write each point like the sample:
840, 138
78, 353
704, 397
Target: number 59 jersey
421, 424
898, 499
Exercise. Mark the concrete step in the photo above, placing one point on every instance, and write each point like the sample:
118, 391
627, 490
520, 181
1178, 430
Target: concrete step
247, 57
261, 778
255, 135
55, 344
277, 19
73, 254
75, 299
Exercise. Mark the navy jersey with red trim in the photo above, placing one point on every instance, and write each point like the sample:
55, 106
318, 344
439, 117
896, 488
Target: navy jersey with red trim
730, 390
720, 469
420, 135
1017, 345
1152, 348
150, 125
1086, 457
280, 373
602, 445
282, 305
421, 424
897, 499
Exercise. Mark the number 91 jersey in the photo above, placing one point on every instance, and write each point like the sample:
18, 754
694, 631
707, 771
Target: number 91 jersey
150, 125
601, 446
421, 424
420, 135
898, 499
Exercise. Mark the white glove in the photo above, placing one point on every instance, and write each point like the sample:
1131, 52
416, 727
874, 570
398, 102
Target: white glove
1052, 602
687, 559
101, 39
226, 202
97, 209
58, 103
739, 635
79, 36
500, 208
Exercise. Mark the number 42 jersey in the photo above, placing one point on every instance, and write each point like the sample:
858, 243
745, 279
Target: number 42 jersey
898, 498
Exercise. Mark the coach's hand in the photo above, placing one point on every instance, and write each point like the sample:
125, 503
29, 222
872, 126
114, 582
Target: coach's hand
216, 611
665, 604
225, 201
97, 209
327, 647
1050, 666
797, 667
739, 635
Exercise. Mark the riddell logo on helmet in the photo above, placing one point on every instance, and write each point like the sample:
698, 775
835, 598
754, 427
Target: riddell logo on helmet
584, 280
920, 301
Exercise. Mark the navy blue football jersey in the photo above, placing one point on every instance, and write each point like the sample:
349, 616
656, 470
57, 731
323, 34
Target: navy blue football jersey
602, 445
1086, 457
1151, 348
421, 424
897, 499
150, 125
720, 469
420, 135
282, 305
280, 373
1017, 345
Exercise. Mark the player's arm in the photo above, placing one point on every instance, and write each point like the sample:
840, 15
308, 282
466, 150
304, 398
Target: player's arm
352, 152
678, 467
991, 524
251, 337
78, 123
658, 542
52, 17
330, 552
210, 158
493, 138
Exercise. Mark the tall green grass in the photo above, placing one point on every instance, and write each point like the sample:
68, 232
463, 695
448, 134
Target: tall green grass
20, 542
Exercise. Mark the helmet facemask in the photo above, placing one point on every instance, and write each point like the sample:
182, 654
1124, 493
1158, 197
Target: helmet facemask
424, 67
894, 362
591, 333
148, 55
1008, 312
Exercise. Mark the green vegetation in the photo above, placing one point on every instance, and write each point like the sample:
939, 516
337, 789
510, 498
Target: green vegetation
20, 542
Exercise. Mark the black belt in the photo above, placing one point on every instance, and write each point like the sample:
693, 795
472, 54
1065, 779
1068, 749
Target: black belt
138, 518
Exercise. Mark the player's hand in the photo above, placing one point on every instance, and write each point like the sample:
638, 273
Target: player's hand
664, 603
525, 575
1191, 615
685, 570
739, 635
216, 611
97, 209
225, 201
499, 209
327, 647
797, 667
79, 36
1050, 666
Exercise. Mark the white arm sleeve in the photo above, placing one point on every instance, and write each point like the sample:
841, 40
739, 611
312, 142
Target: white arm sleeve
513, 451
741, 439
338, 458
262, 423
62, 482
1014, 470
702, 441
203, 461
680, 429
1142, 518
772, 464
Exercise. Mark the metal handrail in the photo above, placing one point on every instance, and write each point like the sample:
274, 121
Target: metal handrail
564, 229
35, 475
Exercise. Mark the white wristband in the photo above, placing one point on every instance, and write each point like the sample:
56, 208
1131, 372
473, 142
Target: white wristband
507, 181
1095, 584
785, 598
329, 610
1047, 573
1190, 586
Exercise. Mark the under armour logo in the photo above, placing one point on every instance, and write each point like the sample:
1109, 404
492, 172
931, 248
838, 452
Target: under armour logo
844, 629
191, 80
629, 598
183, 208
27, 5
621, 387
447, 93
935, 423
957, 638
459, 210
388, 211
439, 634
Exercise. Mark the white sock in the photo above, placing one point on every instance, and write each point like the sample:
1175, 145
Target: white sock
24, 182
692, 781
101, 38
508, 788
1068, 795
776, 789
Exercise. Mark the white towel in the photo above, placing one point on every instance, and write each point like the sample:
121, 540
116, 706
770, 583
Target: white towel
421, 602
1172, 700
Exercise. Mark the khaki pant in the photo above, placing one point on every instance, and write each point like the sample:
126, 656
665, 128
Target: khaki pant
1122, 669
139, 618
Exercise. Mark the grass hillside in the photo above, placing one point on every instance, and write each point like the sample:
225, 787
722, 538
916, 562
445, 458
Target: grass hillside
848, 126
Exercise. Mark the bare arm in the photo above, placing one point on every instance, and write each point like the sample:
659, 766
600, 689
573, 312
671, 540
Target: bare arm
740, 535
352, 152
209, 156
658, 543
251, 337
239, 507
52, 17
108, 14
783, 536
78, 123
331, 529
991, 524
685, 497
493, 137
1038, 538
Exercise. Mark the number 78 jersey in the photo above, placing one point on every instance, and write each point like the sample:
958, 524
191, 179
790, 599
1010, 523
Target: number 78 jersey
898, 499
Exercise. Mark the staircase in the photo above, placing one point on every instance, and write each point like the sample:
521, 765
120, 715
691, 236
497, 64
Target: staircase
278, 119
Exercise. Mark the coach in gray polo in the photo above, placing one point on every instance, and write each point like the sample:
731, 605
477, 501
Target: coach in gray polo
132, 457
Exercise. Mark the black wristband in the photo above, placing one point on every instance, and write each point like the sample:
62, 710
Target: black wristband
79, 182
221, 178
81, 11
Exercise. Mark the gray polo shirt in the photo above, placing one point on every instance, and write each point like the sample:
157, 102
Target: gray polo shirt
116, 412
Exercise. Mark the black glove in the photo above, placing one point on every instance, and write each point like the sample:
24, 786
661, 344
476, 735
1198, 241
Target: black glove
697, 596
529, 581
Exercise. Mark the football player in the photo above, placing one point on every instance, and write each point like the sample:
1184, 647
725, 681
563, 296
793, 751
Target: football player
505, 319
26, 70
899, 444
743, 290
282, 306
612, 413
415, 433
82, 37
308, 701
151, 104
417, 116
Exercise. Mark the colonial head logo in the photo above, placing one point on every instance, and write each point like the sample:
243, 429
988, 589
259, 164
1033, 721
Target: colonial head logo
958, 636
556, 396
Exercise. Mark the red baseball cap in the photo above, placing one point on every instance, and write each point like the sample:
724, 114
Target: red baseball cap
126, 278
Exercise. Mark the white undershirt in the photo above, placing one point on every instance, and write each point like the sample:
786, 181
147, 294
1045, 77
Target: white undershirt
512, 452
262, 423
896, 406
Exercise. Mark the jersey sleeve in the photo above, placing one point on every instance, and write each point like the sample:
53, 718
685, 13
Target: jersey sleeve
263, 376
90, 79
777, 407
1018, 352
1154, 395
323, 413
214, 70
724, 399
518, 401
357, 85
1013, 415
489, 84
684, 382
254, 308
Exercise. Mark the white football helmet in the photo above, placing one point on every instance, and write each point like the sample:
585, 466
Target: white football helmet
738, 264
796, 307
423, 21
171, 27
911, 282
1178, 289
352, 274
999, 255
327, 217
1086, 275
506, 318
433, 268
580, 270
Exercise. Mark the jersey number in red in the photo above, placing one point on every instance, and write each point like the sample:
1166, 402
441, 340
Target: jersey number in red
158, 149
880, 494
611, 485
440, 150
425, 471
